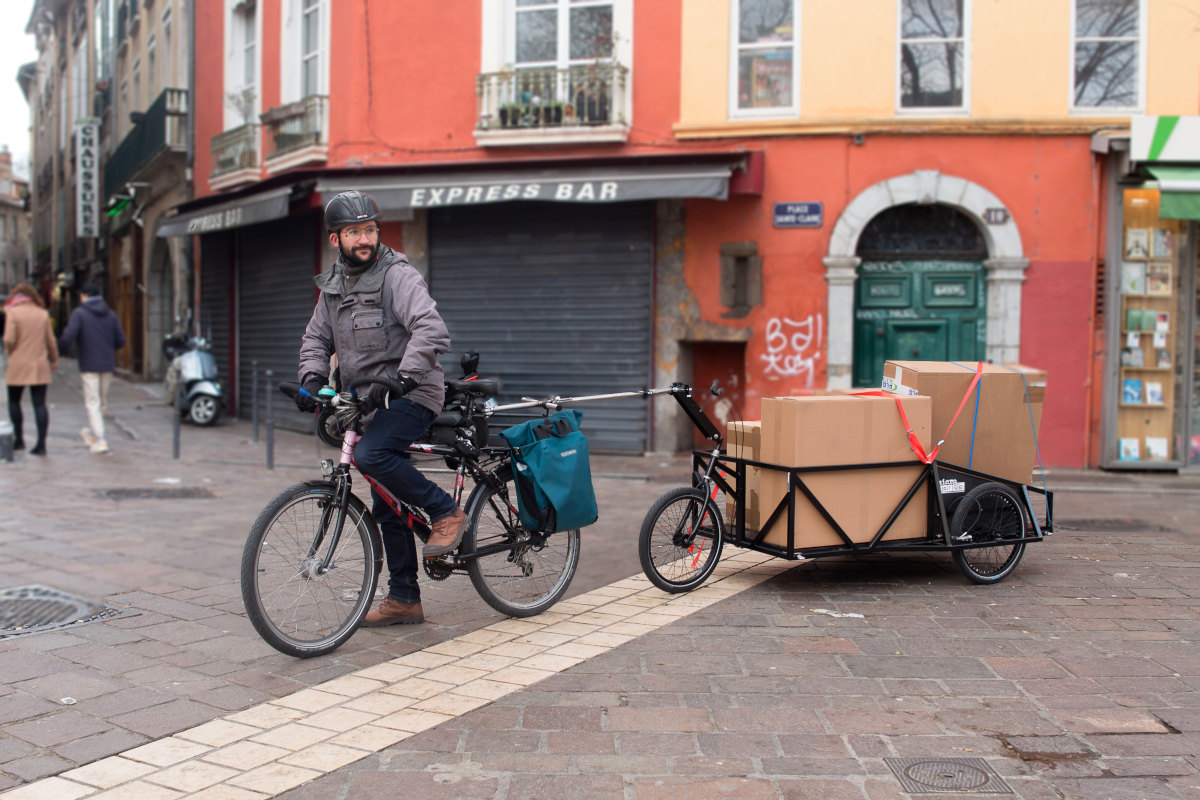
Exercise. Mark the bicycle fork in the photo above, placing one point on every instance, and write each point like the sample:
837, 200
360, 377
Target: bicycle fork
314, 567
711, 488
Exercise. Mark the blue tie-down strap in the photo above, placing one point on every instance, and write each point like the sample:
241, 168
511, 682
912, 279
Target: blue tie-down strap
553, 473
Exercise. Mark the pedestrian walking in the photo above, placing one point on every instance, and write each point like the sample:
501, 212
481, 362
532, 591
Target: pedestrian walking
95, 329
375, 313
32, 357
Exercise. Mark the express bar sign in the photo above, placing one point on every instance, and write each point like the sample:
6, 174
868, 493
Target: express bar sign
471, 194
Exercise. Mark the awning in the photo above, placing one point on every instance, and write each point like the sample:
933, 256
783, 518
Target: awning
567, 185
1178, 191
249, 210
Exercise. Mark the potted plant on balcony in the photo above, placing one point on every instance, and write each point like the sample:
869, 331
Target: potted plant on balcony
552, 114
512, 115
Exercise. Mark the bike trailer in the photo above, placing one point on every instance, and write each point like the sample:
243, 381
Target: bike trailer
553, 476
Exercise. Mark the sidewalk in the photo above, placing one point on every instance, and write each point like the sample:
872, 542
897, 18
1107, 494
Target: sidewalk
1076, 677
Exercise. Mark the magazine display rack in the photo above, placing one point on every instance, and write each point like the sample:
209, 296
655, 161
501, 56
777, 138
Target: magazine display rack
1149, 278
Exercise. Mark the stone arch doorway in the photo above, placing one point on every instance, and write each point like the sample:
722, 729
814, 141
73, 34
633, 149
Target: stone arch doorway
1004, 265
920, 293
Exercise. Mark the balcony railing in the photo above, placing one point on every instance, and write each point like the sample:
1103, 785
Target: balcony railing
163, 127
582, 96
296, 126
235, 150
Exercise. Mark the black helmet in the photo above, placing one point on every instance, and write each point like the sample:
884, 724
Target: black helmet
348, 208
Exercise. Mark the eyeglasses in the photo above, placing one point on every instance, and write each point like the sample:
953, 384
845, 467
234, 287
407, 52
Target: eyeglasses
354, 233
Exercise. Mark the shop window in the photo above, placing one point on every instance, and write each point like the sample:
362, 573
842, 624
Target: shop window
932, 54
1148, 377
741, 278
765, 62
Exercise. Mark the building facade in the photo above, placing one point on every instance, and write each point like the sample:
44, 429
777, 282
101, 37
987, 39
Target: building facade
108, 99
606, 194
14, 226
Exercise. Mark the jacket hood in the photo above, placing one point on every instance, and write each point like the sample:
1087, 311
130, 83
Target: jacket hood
96, 305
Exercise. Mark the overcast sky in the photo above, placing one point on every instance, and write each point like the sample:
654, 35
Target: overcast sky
16, 48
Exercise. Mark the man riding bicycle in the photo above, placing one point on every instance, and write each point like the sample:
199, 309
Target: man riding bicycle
376, 313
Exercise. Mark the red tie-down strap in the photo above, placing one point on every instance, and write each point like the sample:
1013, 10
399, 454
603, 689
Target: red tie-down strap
913, 441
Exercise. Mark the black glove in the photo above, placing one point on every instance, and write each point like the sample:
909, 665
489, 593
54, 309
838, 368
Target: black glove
407, 383
374, 397
312, 385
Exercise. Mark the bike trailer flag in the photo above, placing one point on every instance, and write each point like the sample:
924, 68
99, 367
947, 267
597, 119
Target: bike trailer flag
553, 476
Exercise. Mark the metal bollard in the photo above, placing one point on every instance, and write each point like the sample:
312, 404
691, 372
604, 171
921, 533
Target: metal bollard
254, 395
6, 442
175, 426
270, 422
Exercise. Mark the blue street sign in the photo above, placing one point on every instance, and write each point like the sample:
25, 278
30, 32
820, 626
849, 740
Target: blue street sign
799, 215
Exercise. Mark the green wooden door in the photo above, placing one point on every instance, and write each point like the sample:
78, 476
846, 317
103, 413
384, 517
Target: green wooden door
917, 310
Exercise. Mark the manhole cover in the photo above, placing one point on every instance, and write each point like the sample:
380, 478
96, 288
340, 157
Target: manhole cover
177, 493
35, 609
928, 775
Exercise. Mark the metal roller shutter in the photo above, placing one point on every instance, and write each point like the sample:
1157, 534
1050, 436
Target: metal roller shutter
275, 302
556, 298
216, 310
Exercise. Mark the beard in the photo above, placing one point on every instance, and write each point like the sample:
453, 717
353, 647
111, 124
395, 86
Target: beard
352, 255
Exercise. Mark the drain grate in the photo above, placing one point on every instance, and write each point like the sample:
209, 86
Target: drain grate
36, 609
176, 493
961, 775
1111, 526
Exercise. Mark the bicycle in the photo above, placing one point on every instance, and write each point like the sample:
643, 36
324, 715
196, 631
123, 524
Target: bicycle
312, 561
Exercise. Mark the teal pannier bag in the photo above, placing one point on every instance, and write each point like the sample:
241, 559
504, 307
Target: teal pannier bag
553, 476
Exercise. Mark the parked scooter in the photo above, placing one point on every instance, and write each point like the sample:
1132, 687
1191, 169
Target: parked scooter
193, 366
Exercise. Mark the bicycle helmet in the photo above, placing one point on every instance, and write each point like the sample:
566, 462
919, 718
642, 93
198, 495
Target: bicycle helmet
348, 208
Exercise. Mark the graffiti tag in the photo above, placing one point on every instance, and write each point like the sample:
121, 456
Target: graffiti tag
792, 346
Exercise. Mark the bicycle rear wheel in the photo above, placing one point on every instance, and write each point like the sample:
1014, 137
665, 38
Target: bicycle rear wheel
991, 512
296, 607
524, 573
680, 541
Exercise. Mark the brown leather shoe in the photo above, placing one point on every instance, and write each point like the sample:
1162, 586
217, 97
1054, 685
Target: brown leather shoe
393, 612
447, 533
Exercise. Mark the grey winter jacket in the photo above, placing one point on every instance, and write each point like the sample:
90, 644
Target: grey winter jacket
371, 341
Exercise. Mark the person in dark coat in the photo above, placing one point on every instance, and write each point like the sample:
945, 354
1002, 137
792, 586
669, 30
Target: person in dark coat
97, 332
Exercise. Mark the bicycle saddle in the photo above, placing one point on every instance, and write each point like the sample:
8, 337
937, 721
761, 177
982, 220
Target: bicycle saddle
480, 388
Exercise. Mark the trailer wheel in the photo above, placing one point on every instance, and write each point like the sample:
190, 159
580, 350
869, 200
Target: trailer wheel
987, 517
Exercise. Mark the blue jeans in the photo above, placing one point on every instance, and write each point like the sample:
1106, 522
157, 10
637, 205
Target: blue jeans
381, 454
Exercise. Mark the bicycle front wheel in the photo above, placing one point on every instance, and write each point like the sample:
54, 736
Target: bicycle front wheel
296, 605
680, 542
520, 573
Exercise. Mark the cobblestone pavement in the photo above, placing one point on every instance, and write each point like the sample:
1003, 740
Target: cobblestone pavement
1076, 677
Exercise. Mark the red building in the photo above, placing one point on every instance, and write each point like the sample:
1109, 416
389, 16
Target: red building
549, 166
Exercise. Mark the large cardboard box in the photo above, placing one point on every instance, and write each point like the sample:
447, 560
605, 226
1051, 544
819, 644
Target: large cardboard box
996, 432
743, 439
835, 430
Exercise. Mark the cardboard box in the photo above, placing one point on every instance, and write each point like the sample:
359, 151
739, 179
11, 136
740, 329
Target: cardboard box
996, 432
816, 431
743, 439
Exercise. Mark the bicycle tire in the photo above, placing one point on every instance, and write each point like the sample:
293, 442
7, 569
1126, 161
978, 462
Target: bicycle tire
667, 543
298, 613
523, 579
991, 512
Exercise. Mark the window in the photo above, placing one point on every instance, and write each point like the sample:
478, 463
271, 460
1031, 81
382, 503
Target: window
241, 63
101, 45
1107, 54
310, 49
167, 78
932, 54
562, 32
151, 65
765, 65
137, 85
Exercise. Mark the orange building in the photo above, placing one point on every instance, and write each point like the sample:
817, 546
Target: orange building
606, 194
